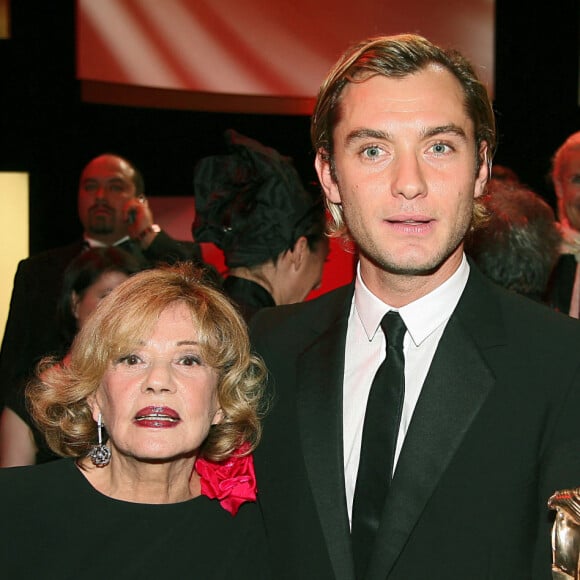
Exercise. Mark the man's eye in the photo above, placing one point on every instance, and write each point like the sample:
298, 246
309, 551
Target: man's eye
372, 152
440, 148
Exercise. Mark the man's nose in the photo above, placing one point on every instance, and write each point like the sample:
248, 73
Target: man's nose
100, 193
408, 180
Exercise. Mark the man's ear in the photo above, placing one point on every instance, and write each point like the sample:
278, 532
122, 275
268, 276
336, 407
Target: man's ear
323, 166
484, 172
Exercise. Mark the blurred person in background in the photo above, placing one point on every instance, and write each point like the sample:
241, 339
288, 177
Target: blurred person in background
564, 287
519, 243
252, 204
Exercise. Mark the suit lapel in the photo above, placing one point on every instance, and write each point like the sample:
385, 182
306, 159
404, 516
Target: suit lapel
454, 391
320, 378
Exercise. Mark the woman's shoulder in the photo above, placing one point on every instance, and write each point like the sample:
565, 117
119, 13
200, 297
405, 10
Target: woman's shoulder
35, 478
23, 490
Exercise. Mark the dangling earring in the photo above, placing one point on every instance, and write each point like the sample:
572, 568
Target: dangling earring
100, 454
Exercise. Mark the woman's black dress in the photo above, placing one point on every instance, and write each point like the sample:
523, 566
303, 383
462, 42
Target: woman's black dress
55, 525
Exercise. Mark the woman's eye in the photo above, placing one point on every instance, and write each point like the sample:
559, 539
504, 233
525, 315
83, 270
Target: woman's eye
189, 360
130, 359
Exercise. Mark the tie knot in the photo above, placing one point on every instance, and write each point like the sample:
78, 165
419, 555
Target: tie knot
394, 329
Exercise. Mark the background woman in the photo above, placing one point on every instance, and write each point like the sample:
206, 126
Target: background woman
163, 364
251, 204
87, 279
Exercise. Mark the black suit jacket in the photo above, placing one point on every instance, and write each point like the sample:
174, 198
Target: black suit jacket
495, 431
561, 284
31, 330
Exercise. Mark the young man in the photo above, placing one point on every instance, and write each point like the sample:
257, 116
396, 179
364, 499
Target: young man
404, 134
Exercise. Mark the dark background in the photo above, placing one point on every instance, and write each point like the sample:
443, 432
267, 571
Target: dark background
47, 131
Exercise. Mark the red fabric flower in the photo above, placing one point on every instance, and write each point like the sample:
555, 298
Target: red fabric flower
232, 481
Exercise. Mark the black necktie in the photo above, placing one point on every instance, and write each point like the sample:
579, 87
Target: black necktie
379, 439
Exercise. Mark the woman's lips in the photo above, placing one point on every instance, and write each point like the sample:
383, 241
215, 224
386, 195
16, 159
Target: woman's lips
157, 417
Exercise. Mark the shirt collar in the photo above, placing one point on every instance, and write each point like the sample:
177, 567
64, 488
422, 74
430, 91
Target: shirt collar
97, 244
421, 317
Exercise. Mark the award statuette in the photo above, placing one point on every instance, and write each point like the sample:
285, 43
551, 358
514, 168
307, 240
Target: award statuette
566, 534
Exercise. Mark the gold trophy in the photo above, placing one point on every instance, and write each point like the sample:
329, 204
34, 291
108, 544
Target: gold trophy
566, 534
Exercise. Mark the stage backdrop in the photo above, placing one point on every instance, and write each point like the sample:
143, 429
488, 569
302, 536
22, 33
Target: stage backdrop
251, 55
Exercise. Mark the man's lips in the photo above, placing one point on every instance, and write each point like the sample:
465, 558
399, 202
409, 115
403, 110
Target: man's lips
416, 224
409, 219
157, 416
101, 209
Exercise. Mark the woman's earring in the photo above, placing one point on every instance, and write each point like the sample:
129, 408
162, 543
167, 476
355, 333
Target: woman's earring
100, 454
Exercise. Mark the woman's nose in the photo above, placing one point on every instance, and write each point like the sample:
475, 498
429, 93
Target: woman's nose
159, 378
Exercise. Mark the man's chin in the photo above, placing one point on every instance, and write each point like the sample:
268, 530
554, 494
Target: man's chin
100, 227
413, 266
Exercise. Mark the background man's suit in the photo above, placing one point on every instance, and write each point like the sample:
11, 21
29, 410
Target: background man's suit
561, 283
31, 329
495, 431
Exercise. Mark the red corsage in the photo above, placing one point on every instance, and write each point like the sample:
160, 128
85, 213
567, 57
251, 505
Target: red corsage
232, 482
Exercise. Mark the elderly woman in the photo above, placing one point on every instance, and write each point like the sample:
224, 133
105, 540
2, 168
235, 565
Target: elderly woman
157, 414
252, 205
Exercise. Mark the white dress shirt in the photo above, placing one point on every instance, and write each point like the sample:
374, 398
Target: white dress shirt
97, 244
425, 320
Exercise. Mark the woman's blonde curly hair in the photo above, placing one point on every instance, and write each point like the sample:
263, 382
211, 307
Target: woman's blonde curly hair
58, 398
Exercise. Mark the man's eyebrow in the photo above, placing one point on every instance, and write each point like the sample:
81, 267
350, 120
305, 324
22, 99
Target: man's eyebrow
108, 180
363, 133
450, 129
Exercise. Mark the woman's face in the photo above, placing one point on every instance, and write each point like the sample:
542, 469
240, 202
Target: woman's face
159, 400
83, 304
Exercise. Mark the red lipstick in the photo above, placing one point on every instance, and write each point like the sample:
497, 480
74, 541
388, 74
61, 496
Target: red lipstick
156, 417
